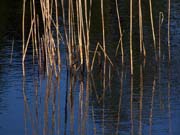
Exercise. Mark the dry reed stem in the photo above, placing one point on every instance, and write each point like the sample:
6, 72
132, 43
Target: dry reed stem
79, 21
23, 34
169, 23
131, 23
35, 28
57, 36
152, 28
103, 28
104, 50
27, 43
87, 36
140, 28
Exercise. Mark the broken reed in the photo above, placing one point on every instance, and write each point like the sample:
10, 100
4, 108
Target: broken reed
77, 24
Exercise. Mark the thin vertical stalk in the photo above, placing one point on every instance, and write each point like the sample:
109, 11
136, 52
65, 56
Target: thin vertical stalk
23, 34
57, 35
87, 36
140, 28
80, 23
131, 51
104, 45
152, 27
169, 23
103, 29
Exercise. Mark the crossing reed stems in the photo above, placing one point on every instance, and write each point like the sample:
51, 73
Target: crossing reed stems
120, 31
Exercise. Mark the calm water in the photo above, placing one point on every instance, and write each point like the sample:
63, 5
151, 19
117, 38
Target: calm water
147, 103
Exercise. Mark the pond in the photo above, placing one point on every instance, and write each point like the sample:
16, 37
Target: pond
146, 103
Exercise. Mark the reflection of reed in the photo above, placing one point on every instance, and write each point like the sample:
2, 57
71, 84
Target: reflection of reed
131, 107
71, 103
141, 100
94, 124
120, 101
152, 106
46, 104
34, 121
27, 111
169, 100
59, 105
161, 18
25, 106
81, 113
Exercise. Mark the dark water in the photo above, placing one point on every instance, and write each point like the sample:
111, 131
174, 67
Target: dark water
147, 103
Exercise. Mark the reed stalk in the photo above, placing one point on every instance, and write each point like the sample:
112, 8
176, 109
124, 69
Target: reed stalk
152, 28
23, 34
131, 23
140, 28
103, 28
57, 36
169, 23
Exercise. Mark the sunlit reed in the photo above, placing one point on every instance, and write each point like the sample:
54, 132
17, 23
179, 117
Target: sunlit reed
169, 25
140, 28
152, 28
131, 25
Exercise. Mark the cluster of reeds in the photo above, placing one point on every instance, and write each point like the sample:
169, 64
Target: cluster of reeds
76, 16
45, 46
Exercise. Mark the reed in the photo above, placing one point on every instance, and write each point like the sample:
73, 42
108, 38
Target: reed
131, 23
23, 33
76, 20
169, 23
140, 28
152, 28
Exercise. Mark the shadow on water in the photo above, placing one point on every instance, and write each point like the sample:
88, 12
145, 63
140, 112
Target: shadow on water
72, 104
